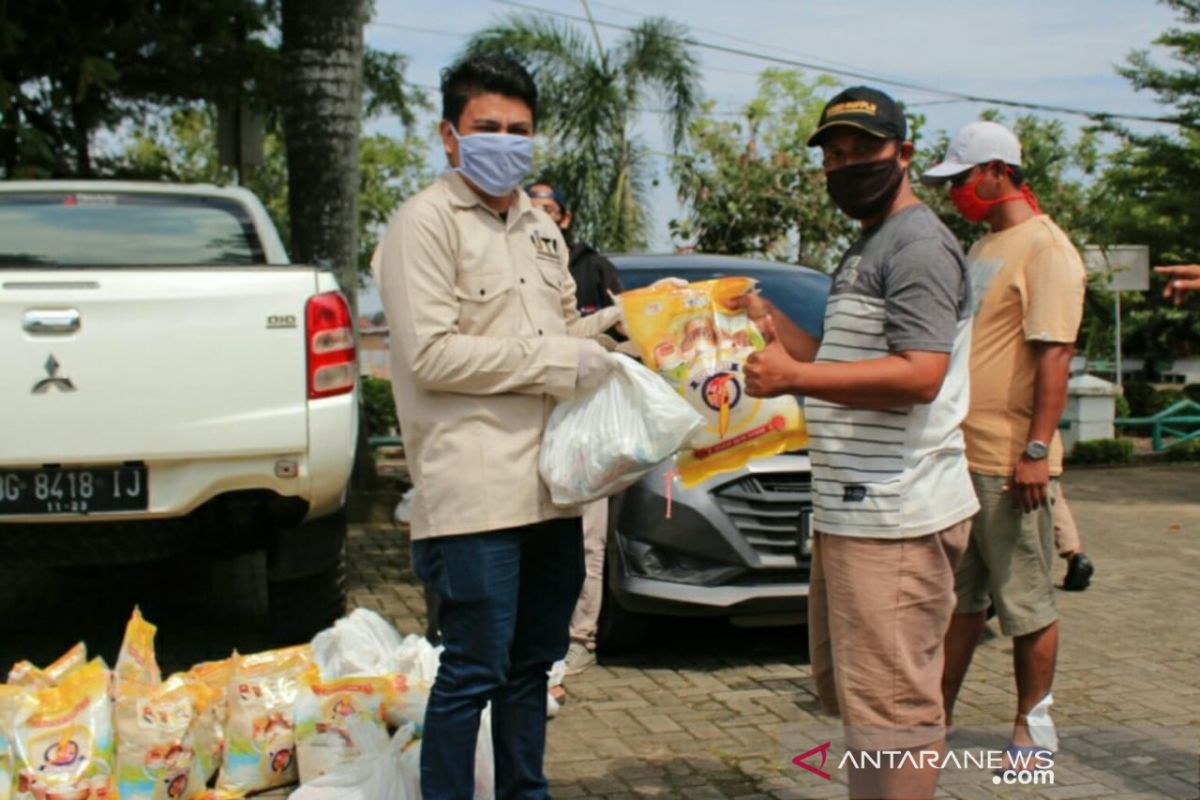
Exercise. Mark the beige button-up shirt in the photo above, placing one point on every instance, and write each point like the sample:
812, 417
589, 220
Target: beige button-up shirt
485, 336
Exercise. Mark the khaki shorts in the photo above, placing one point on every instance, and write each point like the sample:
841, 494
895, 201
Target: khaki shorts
1009, 560
878, 610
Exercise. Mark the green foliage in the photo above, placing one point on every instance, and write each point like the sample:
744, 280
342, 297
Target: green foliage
68, 70
380, 406
1141, 398
588, 100
1121, 407
1188, 451
753, 186
1149, 192
1192, 392
1167, 398
1102, 451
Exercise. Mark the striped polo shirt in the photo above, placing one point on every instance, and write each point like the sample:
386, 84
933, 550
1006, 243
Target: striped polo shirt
897, 472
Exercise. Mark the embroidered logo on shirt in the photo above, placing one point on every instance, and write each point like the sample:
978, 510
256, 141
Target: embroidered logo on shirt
546, 246
854, 494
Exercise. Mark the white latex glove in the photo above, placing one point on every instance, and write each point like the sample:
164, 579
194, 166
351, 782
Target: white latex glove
594, 365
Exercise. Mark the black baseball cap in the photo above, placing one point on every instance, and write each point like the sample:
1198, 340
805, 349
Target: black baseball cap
554, 194
864, 108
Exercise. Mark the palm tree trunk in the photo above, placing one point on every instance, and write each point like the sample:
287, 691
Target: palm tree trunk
323, 65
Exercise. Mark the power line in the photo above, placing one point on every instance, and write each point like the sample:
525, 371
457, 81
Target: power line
860, 75
729, 36
417, 29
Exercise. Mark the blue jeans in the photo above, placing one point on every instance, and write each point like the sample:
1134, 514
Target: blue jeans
506, 602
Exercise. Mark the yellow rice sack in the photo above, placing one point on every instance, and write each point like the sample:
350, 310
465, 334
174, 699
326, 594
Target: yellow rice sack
260, 729
325, 713
26, 674
688, 336
65, 748
136, 660
209, 682
157, 757
16, 705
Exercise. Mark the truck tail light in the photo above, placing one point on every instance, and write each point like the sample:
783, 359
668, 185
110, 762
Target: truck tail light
332, 366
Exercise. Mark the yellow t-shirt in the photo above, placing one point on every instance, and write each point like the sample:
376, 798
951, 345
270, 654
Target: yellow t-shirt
1028, 283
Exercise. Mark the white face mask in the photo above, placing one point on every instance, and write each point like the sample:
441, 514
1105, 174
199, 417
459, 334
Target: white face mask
495, 162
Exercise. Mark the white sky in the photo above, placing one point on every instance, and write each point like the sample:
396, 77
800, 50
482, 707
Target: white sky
1060, 52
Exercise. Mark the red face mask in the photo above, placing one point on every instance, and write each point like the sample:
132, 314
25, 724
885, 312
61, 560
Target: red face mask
975, 209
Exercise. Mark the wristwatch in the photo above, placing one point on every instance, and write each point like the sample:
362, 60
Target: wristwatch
1036, 450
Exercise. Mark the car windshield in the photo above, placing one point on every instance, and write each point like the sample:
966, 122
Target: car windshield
800, 296
83, 229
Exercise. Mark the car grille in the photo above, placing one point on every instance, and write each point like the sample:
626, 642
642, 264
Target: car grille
766, 509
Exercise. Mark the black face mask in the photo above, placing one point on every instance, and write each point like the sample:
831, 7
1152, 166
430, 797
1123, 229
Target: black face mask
865, 190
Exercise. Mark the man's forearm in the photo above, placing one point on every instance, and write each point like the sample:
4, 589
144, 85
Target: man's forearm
894, 381
799, 343
1050, 390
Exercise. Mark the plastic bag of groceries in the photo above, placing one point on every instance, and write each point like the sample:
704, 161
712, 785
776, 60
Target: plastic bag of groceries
65, 747
597, 444
361, 643
687, 335
379, 770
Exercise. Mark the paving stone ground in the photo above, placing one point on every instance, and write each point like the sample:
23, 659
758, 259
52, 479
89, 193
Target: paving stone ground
712, 711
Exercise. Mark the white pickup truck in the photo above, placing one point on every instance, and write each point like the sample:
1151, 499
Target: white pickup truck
172, 384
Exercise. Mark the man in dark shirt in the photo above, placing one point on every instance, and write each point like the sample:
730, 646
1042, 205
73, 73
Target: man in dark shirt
596, 281
596, 278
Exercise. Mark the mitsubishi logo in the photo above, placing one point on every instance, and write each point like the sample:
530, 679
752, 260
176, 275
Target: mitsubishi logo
43, 386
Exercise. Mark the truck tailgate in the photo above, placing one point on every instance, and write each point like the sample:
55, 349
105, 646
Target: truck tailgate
109, 365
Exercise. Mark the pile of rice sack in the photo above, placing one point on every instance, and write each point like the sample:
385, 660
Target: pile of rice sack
249, 724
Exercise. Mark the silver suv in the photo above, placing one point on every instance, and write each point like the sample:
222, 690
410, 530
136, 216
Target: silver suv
737, 545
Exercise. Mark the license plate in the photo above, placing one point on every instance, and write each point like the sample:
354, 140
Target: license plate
804, 536
70, 490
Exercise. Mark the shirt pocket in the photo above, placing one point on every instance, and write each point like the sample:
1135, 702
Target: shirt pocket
485, 302
553, 275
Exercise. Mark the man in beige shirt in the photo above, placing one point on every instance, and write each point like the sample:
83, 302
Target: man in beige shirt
1028, 283
485, 339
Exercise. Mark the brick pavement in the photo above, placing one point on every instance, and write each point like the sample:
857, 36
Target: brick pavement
711, 711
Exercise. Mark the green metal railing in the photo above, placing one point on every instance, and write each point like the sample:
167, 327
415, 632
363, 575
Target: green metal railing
1180, 421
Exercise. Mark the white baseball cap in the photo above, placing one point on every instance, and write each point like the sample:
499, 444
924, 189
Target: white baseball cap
977, 143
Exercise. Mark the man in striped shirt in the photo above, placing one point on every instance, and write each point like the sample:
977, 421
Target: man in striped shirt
885, 393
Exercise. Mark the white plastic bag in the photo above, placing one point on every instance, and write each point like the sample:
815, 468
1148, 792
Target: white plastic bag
363, 643
380, 773
598, 444
1041, 727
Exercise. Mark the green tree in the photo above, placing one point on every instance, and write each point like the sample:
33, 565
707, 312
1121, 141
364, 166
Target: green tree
753, 186
68, 70
1149, 192
588, 100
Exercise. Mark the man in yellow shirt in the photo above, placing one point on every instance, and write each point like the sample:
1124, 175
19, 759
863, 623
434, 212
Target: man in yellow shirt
1028, 285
